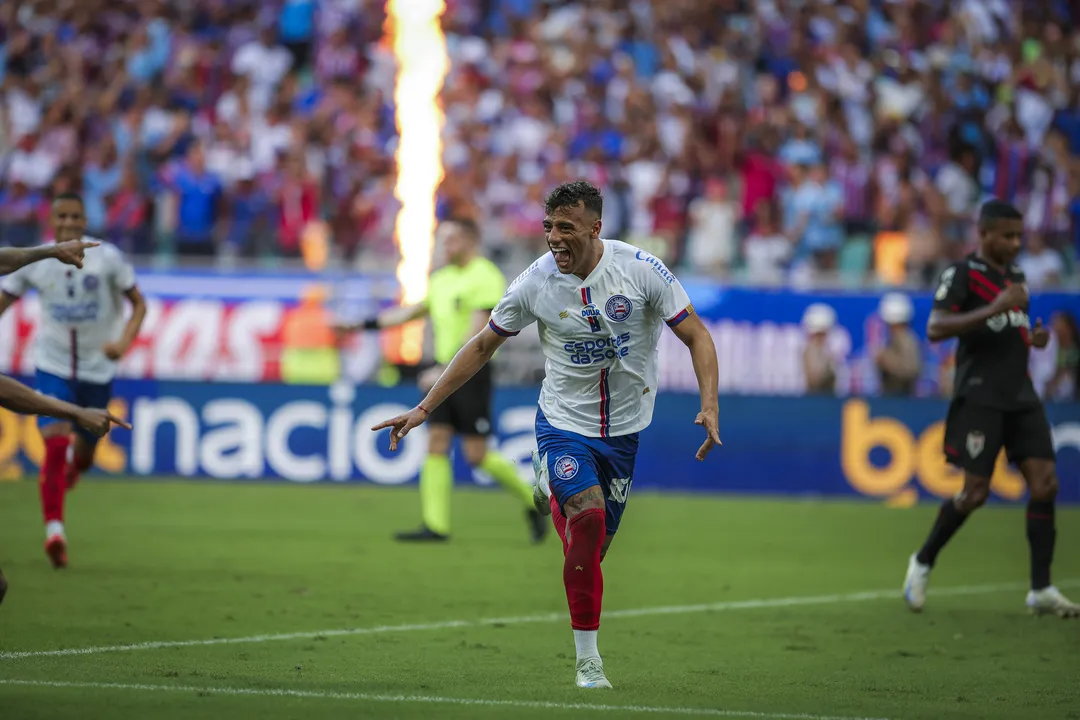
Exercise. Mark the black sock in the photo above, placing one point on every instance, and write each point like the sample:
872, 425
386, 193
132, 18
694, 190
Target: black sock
1041, 536
948, 522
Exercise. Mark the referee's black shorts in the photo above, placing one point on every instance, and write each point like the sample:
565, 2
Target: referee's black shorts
468, 411
975, 435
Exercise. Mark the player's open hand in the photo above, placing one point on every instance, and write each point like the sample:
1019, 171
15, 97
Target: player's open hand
71, 252
1040, 335
98, 421
707, 419
402, 424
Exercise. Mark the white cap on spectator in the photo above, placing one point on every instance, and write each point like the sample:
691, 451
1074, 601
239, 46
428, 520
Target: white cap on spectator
818, 318
896, 308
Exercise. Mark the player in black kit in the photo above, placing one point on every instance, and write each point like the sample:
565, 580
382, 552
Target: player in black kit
983, 301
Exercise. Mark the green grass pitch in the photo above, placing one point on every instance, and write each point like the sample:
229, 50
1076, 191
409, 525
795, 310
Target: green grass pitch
715, 607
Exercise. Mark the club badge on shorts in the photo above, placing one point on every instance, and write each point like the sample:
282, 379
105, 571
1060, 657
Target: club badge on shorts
566, 467
975, 443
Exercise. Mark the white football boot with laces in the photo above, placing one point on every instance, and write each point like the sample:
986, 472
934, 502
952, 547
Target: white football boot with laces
918, 577
590, 674
1050, 601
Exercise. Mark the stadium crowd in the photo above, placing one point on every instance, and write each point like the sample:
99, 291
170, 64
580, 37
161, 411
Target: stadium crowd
769, 140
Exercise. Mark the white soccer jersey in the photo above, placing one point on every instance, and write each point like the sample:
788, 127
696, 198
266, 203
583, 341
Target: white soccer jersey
81, 311
600, 336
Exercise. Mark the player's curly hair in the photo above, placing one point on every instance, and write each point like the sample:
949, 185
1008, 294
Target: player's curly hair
571, 193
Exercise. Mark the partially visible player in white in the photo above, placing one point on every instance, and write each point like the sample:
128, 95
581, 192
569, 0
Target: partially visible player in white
81, 336
600, 306
17, 397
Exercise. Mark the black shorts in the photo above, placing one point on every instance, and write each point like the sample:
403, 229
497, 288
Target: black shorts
975, 434
468, 410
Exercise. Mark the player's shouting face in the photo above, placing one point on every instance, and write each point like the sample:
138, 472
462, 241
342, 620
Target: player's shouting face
572, 232
67, 219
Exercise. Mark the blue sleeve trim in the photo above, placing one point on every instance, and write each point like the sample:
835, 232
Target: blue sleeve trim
499, 331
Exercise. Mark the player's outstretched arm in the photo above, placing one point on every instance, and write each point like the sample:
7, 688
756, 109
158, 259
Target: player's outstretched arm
945, 324
387, 319
698, 340
469, 359
69, 253
21, 399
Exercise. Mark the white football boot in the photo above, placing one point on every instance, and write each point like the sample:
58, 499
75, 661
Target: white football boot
918, 577
541, 490
1050, 601
590, 674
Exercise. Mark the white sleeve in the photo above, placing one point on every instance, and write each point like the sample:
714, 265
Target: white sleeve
664, 291
120, 270
513, 312
17, 283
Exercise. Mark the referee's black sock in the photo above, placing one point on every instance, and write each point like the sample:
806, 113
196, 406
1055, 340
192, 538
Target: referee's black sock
1041, 537
948, 521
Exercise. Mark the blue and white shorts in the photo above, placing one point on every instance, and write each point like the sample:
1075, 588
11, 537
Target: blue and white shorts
76, 392
572, 463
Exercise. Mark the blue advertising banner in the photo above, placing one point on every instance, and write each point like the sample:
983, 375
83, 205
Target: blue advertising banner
879, 448
759, 340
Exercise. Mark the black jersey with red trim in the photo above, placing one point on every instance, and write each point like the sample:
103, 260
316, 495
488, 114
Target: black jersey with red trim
992, 361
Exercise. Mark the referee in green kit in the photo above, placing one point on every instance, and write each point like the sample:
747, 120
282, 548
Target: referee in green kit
460, 299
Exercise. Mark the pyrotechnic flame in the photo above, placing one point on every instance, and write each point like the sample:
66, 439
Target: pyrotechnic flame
419, 47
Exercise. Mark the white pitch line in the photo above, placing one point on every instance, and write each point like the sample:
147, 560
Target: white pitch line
364, 697
522, 620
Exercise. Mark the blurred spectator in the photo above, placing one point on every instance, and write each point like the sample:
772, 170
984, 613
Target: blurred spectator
899, 362
819, 364
198, 201
1042, 266
959, 192
248, 215
264, 62
767, 250
712, 244
813, 211
127, 214
19, 206
1063, 385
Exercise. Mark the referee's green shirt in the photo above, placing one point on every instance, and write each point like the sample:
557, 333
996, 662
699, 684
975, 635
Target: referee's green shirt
455, 295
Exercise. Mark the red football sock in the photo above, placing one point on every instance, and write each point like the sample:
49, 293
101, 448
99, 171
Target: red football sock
581, 569
559, 520
53, 480
76, 468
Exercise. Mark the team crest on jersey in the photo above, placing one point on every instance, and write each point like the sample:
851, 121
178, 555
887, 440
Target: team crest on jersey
975, 443
566, 467
618, 308
91, 282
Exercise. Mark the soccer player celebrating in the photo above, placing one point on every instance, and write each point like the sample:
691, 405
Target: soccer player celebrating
600, 306
19, 398
983, 301
81, 338
461, 297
